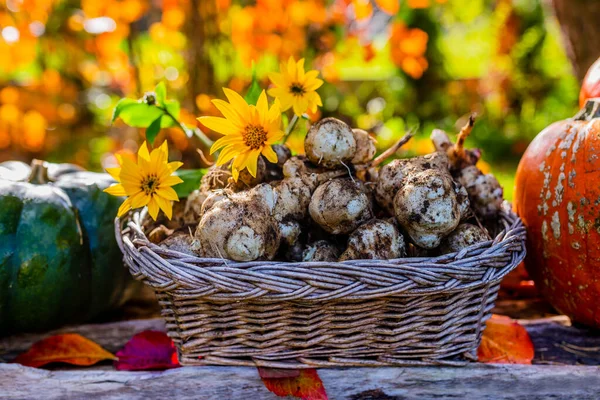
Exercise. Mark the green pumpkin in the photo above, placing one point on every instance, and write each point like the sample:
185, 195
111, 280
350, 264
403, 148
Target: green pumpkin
59, 260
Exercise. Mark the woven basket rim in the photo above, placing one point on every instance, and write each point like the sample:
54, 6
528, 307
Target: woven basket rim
482, 264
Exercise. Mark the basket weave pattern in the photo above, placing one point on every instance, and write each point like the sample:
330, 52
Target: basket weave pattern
411, 311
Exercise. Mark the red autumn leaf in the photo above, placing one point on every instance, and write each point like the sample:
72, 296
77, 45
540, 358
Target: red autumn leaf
504, 341
147, 350
69, 348
304, 384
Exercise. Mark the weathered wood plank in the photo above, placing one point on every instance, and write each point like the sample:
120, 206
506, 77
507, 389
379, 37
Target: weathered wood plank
478, 382
555, 341
112, 336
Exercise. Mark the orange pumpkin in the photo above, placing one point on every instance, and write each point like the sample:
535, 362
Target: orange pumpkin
557, 195
590, 87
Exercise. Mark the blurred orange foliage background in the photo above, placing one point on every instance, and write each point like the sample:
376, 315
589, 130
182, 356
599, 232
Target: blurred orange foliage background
389, 65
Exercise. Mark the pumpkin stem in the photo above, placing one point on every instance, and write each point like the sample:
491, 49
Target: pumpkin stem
39, 172
590, 110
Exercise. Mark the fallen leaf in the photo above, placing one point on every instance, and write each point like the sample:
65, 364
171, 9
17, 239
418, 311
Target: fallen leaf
69, 348
304, 384
147, 350
504, 341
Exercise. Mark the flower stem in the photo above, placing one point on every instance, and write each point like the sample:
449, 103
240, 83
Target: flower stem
290, 128
203, 138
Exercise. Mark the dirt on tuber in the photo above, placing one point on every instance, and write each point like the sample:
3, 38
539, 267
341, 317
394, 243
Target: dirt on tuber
339, 202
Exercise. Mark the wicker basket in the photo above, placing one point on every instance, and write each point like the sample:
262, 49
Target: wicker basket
411, 311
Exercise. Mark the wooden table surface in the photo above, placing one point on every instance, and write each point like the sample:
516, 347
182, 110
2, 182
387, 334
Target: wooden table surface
565, 367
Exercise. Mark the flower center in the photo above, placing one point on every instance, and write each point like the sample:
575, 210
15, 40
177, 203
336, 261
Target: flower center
297, 89
150, 184
254, 136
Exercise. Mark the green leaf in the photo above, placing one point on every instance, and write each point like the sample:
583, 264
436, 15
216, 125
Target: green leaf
139, 115
152, 130
161, 93
191, 181
122, 104
172, 106
254, 91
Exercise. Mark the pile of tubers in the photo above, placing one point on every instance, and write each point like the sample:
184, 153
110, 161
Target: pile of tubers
336, 203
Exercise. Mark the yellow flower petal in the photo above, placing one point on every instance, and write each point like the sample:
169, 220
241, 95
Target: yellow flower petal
275, 138
254, 117
277, 79
225, 141
274, 114
269, 154
227, 154
168, 193
132, 188
171, 181
300, 105
313, 85
252, 162
116, 190
218, 124
284, 99
278, 91
160, 155
174, 165
239, 162
143, 151
153, 208
130, 171
238, 103
164, 205
300, 70
147, 180
262, 107
114, 172
126, 206
139, 200
310, 75
256, 126
228, 112
317, 98
291, 68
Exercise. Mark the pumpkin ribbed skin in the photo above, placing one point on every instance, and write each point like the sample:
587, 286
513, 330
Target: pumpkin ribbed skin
43, 258
59, 261
97, 211
557, 195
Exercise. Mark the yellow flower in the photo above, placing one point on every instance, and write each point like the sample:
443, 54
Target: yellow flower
147, 183
249, 131
296, 88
